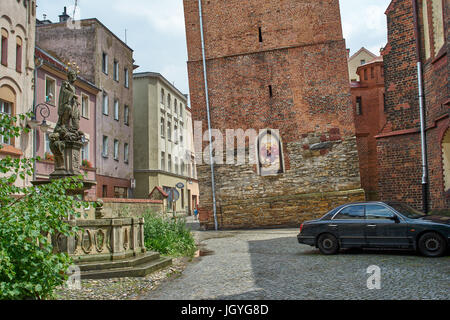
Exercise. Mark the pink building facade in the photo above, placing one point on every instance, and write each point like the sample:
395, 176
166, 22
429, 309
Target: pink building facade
50, 76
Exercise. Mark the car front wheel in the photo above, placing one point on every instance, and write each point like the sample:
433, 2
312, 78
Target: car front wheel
328, 244
432, 244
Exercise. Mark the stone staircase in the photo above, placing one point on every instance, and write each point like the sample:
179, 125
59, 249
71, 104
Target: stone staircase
139, 266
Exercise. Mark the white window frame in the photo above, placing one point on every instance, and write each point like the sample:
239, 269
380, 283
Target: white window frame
85, 111
116, 149
53, 101
105, 63
116, 109
3, 139
105, 104
105, 142
126, 152
116, 71
127, 80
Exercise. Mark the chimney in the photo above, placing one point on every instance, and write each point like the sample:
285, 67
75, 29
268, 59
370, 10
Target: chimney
64, 17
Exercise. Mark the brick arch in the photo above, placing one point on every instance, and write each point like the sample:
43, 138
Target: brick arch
445, 147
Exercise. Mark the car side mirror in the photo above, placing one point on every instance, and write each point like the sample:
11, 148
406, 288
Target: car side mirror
395, 218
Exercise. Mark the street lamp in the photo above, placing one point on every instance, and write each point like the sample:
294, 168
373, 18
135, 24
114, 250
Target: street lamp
44, 111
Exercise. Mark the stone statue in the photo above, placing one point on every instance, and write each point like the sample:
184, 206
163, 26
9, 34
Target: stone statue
67, 139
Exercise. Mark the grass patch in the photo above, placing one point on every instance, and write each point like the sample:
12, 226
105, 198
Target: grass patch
168, 236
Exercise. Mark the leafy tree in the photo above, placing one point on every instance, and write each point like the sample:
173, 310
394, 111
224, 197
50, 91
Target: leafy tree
30, 267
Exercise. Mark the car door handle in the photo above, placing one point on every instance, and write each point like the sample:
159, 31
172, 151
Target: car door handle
372, 225
333, 225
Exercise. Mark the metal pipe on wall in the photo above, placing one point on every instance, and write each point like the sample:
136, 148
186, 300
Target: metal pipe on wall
422, 111
211, 158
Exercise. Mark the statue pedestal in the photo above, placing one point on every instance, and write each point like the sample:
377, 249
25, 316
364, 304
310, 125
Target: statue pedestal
71, 163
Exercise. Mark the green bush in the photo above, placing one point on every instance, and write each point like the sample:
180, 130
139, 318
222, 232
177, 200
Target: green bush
29, 217
168, 236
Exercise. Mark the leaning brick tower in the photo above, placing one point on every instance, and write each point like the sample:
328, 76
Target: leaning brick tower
279, 67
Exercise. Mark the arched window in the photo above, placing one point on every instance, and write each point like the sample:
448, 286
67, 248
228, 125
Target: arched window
446, 159
4, 51
270, 153
7, 107
18, 54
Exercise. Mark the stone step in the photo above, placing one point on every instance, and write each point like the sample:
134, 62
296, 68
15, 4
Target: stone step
123, 263
134, 271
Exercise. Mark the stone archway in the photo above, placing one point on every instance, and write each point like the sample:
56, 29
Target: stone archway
446, 160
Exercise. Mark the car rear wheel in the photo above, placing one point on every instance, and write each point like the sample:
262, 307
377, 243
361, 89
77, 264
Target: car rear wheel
432, 244
328, 244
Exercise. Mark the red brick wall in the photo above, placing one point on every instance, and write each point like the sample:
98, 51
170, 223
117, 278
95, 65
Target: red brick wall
399, 153
110, 183
303, 59
369, 123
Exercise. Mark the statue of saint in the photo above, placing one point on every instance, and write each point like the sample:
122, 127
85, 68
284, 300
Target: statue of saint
68, 126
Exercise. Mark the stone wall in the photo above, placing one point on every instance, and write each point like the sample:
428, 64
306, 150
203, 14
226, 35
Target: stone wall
322, 175
119, 208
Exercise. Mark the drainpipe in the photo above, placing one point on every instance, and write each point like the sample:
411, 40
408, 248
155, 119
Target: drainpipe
422, 111
209, 116
36, 67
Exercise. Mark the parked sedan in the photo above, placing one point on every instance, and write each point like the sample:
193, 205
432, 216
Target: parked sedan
377, 225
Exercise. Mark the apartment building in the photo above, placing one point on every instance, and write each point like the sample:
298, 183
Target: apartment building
164, 148
107, 62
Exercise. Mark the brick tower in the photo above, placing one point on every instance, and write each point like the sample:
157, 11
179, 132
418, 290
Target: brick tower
279, 67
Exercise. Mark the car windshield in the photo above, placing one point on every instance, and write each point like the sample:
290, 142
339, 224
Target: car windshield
406, 210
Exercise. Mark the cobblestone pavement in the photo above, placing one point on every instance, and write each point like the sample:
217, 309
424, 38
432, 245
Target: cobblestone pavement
270, 264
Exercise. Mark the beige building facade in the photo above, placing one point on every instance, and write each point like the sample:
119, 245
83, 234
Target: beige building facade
17, 25
164, 145
358, 59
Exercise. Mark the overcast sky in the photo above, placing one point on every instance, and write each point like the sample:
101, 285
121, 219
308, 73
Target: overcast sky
155, 29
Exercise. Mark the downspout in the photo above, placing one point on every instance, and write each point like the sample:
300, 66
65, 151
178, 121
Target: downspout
209, 116
41, 62
422, 111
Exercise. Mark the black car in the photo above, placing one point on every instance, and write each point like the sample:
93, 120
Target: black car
377, 225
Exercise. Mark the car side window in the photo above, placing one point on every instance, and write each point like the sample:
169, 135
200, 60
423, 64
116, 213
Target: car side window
351, 212
378, 212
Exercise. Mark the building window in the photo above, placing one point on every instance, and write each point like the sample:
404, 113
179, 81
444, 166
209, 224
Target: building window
126, 115
116, 149
175, 107
105, 104
363, 61
260, 34
85, 152
169, 101
126, 76
181, 109
105, 147
126, 151
163, 161
438, 25
50, 89
182, 165
175, 131
105, 63
120, 192
181, 134
163, 127
169, 130
169, 163
116, 110
104, 191
270, 155
116, 70
4, 58
85, 106
358, 106
19, 55
47, 144
176, 166
5, 109
162, 96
